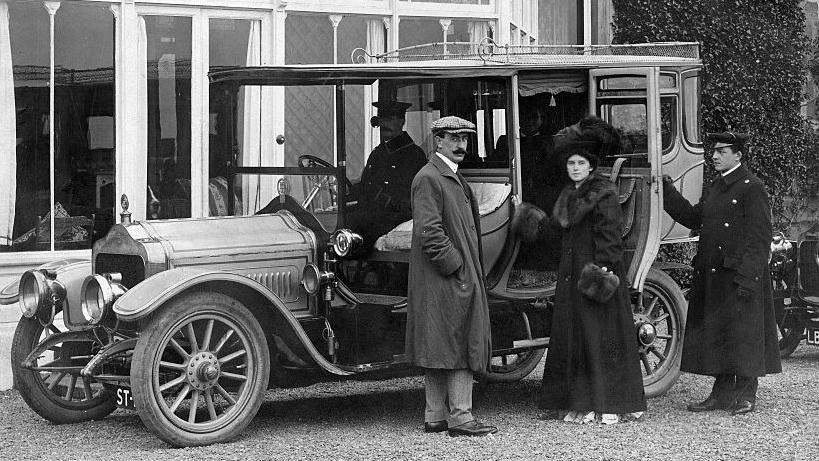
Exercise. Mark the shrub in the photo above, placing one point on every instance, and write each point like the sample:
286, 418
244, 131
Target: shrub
755, 59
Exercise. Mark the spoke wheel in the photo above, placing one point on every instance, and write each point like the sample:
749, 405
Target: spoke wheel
53, 387
200, 370
659, 319
513, 367
790, 330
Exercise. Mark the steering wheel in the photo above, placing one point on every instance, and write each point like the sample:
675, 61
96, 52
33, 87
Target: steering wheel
318, 182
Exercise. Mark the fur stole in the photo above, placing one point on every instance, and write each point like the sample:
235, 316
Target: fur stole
574, 204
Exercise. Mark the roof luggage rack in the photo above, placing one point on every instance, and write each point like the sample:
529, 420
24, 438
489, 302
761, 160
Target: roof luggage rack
487, 51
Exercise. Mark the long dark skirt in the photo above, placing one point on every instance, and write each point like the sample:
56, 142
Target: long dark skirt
592, 363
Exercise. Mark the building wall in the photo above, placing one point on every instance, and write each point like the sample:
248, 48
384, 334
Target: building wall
104, 141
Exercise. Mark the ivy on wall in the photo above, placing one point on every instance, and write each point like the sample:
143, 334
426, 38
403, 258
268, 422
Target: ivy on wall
755, 59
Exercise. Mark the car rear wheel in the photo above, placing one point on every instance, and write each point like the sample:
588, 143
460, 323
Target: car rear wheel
52, 385
200, 370
513, 367
659, 319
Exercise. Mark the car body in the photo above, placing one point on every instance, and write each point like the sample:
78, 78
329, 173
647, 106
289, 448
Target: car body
191, 320
794, 267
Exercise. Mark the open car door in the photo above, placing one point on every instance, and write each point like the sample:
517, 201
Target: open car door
629, 99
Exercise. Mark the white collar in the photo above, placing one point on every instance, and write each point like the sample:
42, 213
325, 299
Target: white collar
452, 165
726, 173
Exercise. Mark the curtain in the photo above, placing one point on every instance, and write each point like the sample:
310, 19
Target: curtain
250, 126
8, 132
376, 44
478, 30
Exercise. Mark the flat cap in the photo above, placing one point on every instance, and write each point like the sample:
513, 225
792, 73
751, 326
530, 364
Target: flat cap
452, 124
726, 138
387, 108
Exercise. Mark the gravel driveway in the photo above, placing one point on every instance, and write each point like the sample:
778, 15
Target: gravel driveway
382, 420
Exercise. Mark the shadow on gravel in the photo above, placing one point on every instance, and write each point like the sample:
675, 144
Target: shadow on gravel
365, 403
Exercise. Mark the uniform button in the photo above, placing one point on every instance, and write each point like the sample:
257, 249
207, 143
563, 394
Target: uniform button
386, 182
727, 225
719, 247
747, 181
567, 279
393, 166
734, 201
473, 227
713, 270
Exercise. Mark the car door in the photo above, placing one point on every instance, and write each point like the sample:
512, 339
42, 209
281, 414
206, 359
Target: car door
629, 99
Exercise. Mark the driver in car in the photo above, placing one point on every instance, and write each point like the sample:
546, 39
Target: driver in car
383, 194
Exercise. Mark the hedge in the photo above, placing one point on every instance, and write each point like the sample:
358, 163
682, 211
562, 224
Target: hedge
755, 59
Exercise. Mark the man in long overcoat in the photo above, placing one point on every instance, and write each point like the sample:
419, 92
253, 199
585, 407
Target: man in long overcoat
730, 330
448, 330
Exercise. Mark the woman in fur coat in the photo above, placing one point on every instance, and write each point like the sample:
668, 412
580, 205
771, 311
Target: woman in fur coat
592, 369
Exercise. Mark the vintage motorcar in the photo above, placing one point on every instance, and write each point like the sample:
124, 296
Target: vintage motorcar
190, 321
794, 267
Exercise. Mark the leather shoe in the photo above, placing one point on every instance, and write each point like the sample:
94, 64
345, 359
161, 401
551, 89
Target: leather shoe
710, 404
472, 429
435, 426
742, 407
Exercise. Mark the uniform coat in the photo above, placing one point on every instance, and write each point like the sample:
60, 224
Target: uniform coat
447, 311
384, 190
726, 334
592, 363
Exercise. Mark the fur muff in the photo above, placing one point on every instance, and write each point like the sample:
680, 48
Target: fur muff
526, 222
597, 284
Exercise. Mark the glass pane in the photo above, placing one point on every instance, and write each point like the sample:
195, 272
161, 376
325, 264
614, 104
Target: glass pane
235, 42
668, 122
169, 116
691, 109
29, 184
421, 31
83, 124
631, 119
633, 82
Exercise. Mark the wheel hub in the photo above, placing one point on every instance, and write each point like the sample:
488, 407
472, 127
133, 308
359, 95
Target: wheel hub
203, 370
646, 334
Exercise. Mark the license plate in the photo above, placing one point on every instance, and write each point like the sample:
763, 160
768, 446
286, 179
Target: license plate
813, 337
124, 398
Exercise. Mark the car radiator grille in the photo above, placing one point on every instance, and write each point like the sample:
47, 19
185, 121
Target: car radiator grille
132, 267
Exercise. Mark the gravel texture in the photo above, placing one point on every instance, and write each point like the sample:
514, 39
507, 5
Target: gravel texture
382, 420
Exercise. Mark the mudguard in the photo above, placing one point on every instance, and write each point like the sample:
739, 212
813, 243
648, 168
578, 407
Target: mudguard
155, 291
70, 272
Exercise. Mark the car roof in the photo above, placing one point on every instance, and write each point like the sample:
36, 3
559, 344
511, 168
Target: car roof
460, 60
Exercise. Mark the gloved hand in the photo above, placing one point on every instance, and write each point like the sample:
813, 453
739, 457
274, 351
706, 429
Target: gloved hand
744, 293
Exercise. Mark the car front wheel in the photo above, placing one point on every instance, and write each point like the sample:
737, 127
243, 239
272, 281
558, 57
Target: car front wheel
52, 385
200, 370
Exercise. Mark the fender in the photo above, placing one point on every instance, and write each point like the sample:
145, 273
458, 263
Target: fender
69, 272
155, 291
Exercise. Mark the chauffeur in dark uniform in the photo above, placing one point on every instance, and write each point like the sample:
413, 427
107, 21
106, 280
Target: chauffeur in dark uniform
383, 193
730, 331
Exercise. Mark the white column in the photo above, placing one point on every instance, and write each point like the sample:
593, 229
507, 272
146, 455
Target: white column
501, 32
277, 43
131, 157
335, 19
587, 22
52, 8
445, 23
